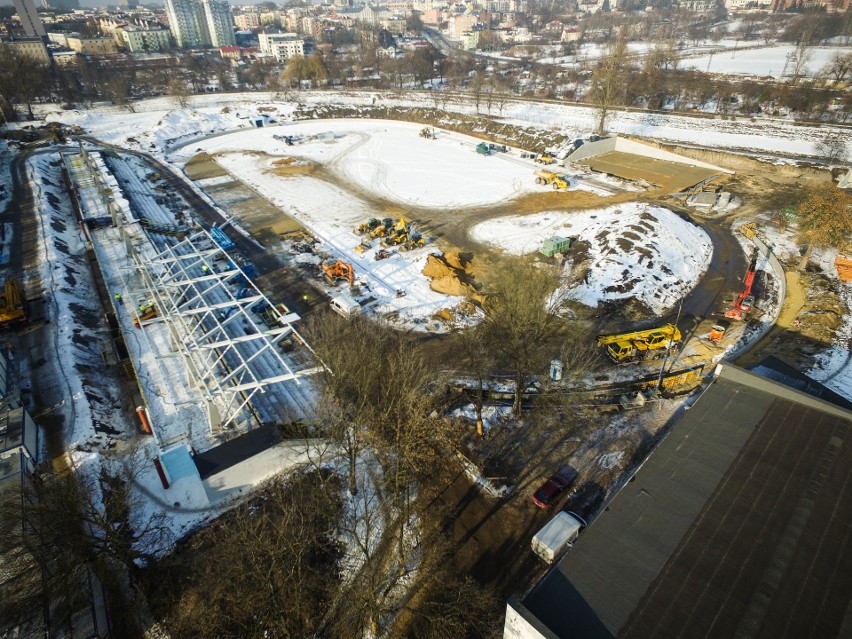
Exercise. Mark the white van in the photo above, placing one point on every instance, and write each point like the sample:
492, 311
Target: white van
557, 536
344, 305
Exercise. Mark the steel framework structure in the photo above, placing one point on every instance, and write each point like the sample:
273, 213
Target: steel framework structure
234, 361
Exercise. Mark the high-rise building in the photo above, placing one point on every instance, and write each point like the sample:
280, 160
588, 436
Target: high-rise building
30, 19
183, 23
220, 22
61, 5
203, 23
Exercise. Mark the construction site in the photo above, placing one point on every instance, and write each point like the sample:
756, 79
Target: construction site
172, 285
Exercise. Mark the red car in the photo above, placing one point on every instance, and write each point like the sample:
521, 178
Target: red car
550, 490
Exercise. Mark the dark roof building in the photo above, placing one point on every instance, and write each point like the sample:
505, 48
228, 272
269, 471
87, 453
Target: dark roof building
738, 525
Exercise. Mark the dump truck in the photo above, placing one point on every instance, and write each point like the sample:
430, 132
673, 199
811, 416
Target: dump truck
545, 159
635, 346
12, 310
556, 180
557, 536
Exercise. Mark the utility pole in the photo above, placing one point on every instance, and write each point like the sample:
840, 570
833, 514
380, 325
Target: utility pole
669, 347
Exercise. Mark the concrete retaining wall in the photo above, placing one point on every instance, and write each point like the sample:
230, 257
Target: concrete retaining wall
591, 149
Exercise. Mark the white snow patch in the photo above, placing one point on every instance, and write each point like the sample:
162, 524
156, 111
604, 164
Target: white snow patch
636, 250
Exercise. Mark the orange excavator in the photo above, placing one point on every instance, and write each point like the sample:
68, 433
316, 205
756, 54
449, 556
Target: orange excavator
338, 270
740, 307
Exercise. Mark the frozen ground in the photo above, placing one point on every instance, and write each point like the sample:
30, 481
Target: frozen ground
390, 160
768, 61
635, 250
151, 128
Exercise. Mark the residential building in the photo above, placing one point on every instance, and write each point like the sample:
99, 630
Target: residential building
281, 45
247, 21
220, 22
29, 18
470, 40
138, 39
32, 48
183, 23
232, 52
92, 46
61, 5
460, 23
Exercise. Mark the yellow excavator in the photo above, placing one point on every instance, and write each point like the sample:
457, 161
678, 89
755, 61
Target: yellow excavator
12, 310
635, 346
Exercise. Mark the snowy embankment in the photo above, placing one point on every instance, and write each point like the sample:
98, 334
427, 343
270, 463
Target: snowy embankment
157, 124
634, 250
776, 61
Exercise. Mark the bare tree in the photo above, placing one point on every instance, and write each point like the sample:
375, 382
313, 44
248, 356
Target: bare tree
520, 312
825, 220
607, 80
833, 147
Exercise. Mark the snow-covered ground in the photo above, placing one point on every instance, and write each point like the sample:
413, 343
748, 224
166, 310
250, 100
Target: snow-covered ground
635, 250
391, 160
775, 61
150, 125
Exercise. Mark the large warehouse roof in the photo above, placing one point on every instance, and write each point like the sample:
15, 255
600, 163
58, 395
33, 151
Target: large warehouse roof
738, 525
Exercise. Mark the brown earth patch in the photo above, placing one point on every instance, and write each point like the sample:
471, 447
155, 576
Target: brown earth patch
202, 166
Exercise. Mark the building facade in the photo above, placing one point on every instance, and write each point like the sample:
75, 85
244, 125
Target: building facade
143, 39
30, 19
183, 23
32, 48
92, 46
220, 22
282, 45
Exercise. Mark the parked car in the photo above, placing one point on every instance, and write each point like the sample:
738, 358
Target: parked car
550, 490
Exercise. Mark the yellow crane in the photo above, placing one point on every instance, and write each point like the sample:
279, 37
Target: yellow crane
638, 345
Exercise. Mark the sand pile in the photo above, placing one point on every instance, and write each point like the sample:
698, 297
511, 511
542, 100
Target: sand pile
450, 274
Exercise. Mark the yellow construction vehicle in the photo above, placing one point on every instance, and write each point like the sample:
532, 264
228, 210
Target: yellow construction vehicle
12, 310
368, 227
640, 345
397, 235
383, 229
545, 159
549, 177
427, 133
147, 312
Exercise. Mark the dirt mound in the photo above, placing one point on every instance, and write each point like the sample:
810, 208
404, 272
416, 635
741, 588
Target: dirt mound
450, 274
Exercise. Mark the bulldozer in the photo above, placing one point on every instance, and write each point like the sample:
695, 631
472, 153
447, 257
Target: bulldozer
338, 270
549, 177
427, 133
635, 346
12, 310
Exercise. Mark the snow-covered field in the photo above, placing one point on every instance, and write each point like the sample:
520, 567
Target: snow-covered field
635, 250
774, 61
391, 160
151, 124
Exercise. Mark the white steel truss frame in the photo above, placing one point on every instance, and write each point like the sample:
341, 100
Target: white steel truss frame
191, 296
